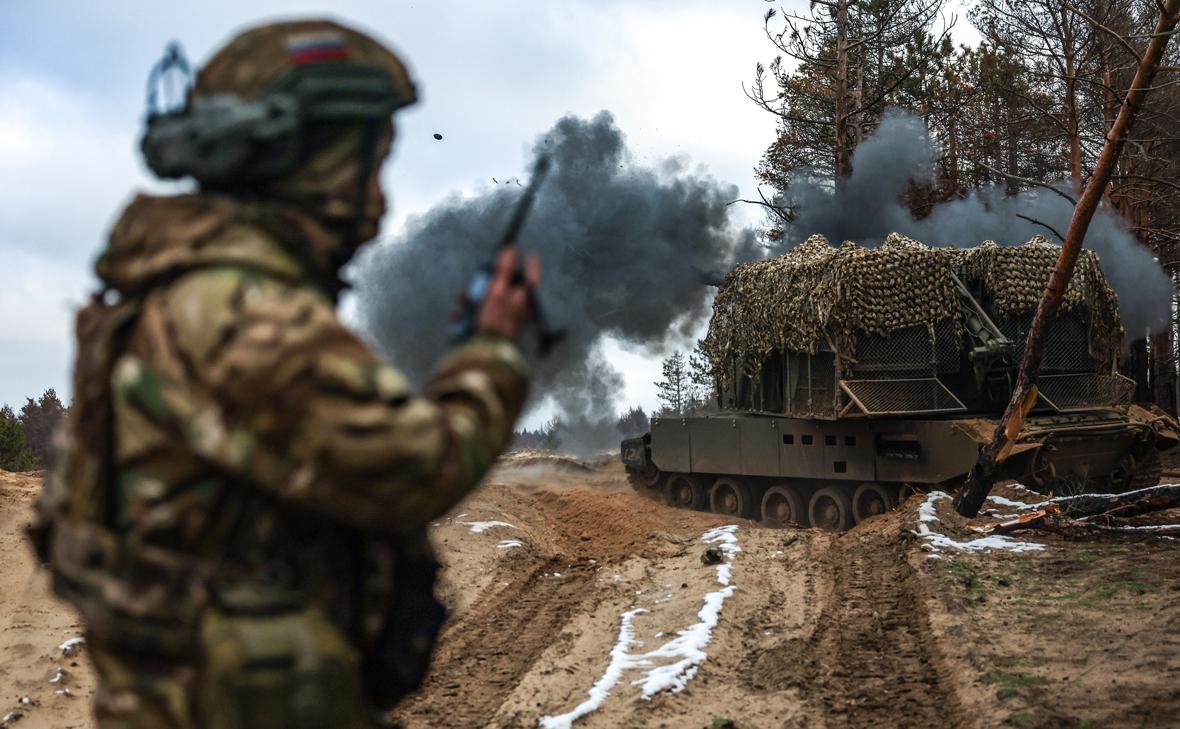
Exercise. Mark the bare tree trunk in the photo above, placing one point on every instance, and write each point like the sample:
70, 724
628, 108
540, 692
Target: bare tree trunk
858, 100
1071, 97
979, 482
952, 182
843, 156
1175, 352
1161, 366
1137, 366
1013, 146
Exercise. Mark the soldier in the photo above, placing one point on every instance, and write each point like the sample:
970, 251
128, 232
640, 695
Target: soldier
240, 502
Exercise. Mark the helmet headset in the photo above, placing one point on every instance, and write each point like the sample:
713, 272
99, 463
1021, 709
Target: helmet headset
225, 140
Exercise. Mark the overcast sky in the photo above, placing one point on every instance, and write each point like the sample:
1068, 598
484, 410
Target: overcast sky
493, 74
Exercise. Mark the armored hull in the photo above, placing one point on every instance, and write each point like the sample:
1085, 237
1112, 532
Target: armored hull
839, 393
833, 474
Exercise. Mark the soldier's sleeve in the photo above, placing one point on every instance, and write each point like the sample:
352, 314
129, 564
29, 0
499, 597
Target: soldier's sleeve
350, 438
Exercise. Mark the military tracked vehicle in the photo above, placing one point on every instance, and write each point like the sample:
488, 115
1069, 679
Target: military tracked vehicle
848, 377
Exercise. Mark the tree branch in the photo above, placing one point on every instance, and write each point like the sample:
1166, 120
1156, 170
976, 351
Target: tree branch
1046, 226
1122, 40
1027, 181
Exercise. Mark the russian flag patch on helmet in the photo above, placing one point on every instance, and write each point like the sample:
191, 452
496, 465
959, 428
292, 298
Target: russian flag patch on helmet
316, 47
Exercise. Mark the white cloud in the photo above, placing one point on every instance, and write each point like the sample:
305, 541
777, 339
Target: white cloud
65, 172
493, 75
38, 300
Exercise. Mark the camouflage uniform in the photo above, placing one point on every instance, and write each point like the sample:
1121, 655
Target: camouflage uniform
242, 476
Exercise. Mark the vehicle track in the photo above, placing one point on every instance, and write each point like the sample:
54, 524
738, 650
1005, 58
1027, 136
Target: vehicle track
872, 660
485, 652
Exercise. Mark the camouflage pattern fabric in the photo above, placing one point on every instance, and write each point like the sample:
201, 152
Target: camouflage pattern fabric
793, 301
260, 440
241, 482
257, 375
139, 693
251, 61
325, 186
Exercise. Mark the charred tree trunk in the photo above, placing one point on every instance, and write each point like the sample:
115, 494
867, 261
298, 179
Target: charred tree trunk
981, 478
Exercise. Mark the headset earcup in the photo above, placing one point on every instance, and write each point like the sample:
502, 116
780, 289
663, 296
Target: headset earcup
219, 140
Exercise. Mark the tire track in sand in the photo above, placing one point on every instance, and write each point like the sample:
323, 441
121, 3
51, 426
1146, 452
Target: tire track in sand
873, 658
486, 652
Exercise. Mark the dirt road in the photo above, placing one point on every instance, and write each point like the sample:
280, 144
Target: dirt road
575, 602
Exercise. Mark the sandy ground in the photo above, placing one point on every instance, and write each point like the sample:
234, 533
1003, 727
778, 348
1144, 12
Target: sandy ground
565, 585
33, 626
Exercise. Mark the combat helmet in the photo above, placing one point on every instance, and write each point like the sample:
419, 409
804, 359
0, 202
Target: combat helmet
246, 117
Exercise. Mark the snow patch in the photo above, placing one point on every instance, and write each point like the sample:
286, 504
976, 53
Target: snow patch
71, 646
479, 527
620, 661
686, 651
1009, 502
927, 515
510, 544
688, 647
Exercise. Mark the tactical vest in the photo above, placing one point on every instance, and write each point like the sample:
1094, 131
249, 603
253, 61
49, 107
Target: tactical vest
138, 596
260, 652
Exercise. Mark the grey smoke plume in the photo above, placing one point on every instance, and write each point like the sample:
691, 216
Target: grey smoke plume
865, 209
623, 247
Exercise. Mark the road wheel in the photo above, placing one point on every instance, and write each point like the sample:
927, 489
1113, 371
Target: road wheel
648, 480
731, 498
782, 506
870, 499
1148, 470
686, 492
830, 509
1121, 475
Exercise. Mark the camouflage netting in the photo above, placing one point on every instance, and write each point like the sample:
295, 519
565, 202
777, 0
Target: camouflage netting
791, 302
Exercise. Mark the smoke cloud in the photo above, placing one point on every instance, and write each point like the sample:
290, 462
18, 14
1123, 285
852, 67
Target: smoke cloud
865, 208
624, 250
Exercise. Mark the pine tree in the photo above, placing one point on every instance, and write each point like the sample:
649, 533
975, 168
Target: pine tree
39, 418
674, 388
551, 436
853, 60
700, 375
14, 452
633, 422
